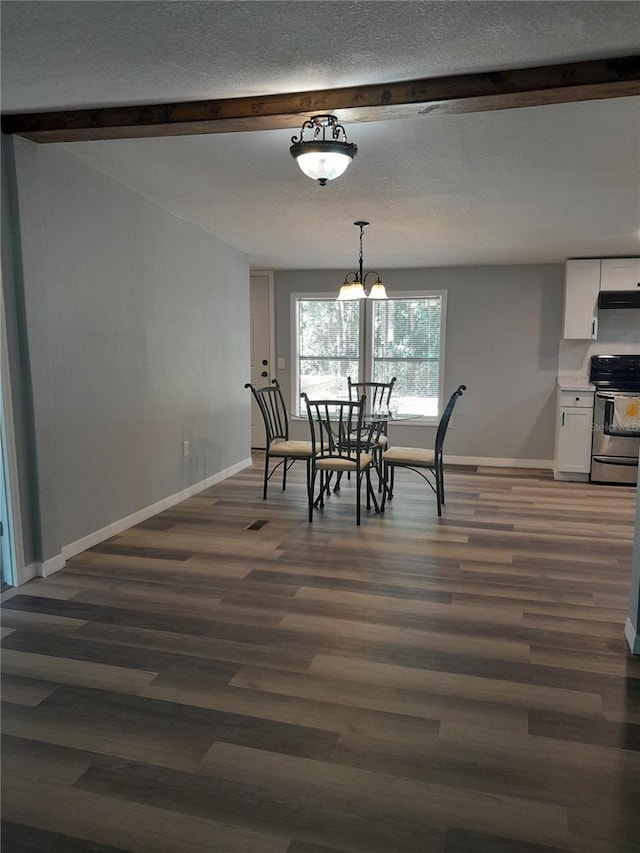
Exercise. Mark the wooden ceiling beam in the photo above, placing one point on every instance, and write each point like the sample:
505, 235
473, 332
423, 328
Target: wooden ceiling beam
461, 93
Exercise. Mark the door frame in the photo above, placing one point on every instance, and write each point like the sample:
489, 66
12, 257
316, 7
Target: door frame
11, 542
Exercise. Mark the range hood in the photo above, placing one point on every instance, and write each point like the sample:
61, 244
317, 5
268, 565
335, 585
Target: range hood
619, 299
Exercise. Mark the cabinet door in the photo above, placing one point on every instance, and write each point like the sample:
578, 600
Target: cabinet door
574, 440
620, 274
582, 285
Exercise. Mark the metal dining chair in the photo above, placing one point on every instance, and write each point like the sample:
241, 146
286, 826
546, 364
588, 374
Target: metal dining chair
342, 442
378, 396
276, 425
427, 463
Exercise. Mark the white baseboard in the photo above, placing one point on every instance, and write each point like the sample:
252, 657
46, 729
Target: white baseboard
57, 562
570, 478
53, 564
497, 462
632, 638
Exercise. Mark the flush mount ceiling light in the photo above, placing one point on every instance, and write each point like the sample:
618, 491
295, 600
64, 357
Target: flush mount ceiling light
327, 153
354, 286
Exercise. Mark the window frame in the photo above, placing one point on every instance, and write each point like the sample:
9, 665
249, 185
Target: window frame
365, 344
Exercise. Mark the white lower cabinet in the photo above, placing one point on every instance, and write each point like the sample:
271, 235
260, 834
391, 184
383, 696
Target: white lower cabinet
573, 434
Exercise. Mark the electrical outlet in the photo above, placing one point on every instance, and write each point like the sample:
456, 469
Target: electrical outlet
281, 364
186, 450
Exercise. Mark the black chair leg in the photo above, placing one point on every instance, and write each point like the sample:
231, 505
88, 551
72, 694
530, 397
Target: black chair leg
266, 476
311, 482
380, 468
308, 464
385, 491
374, 500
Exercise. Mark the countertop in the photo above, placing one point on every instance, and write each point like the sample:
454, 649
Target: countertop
574, 382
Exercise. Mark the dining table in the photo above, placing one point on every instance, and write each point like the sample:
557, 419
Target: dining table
375, 421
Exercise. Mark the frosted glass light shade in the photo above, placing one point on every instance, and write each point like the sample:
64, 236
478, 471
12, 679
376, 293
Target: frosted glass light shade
378, 291
323, 166
351, 290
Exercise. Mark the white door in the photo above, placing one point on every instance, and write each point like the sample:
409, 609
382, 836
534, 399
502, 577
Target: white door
261, 302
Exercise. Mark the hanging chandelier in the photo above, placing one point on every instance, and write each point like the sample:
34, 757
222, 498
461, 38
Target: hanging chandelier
322, 158
354, 285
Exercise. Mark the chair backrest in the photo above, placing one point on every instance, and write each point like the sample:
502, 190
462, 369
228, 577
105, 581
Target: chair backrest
378, 394
338, 430
446, 416
273, 410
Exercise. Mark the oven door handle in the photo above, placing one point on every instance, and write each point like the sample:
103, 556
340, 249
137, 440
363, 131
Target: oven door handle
629, 461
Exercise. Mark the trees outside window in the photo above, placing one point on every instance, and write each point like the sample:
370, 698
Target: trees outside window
372, 340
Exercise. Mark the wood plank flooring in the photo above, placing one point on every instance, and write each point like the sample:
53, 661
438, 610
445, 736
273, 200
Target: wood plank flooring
227, 677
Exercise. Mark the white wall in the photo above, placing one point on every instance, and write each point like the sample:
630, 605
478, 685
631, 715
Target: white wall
137, 329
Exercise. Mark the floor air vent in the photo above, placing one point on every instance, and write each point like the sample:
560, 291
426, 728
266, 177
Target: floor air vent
258, 524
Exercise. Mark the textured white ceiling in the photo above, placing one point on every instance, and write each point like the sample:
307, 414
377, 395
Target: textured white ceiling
527, 185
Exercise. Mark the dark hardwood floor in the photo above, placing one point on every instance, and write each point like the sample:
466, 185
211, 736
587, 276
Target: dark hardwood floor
227, 677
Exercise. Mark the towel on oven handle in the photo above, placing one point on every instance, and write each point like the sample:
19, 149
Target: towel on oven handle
626, 415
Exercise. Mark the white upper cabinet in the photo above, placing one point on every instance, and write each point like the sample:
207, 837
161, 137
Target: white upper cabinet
620, 274
582, 285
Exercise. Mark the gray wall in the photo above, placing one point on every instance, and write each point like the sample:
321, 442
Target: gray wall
137, 329
503, 328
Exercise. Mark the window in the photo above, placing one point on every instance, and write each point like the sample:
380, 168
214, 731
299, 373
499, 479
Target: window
371, 340
328, 344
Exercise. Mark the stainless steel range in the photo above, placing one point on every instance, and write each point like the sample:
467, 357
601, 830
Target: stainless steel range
616, 419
